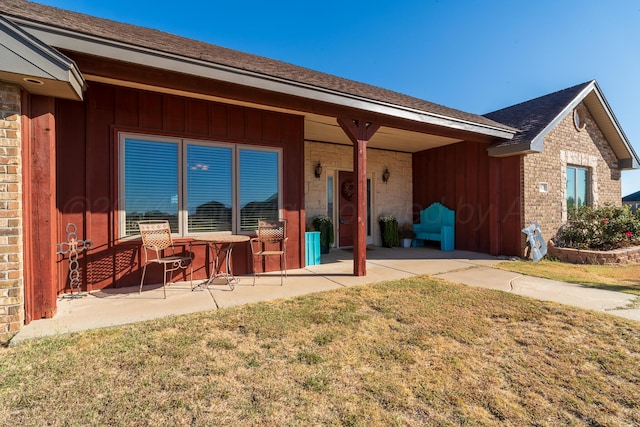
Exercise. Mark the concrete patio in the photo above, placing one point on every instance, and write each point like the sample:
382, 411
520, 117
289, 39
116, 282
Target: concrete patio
118, 306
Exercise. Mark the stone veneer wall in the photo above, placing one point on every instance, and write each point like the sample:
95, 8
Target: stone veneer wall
566, 145
11, 248
393, 197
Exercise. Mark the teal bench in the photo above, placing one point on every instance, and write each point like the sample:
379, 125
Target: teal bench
437, 222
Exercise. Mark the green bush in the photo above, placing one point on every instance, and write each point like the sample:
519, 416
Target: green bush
604, 228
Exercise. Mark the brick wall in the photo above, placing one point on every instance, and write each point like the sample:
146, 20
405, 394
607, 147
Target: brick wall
566, 145
393, 197
11, 252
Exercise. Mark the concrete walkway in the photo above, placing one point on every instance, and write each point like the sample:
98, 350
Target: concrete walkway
119, 306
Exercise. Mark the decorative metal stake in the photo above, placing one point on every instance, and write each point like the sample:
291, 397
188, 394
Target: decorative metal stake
72, 246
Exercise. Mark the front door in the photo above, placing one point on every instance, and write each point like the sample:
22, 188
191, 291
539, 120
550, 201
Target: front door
346, 208
347, 215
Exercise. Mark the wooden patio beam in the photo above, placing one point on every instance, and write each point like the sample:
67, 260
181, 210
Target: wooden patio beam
359, 132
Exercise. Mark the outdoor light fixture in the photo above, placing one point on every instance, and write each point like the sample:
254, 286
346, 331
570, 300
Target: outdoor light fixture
318, 170
385, 175
33, 81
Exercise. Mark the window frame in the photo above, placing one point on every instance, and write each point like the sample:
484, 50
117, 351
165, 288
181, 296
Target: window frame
182, 146
588, 195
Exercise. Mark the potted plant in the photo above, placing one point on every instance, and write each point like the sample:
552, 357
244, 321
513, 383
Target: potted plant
389, 229
407, 234
324, 225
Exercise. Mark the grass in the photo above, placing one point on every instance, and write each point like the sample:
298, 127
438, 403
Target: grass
418, 351
621, 278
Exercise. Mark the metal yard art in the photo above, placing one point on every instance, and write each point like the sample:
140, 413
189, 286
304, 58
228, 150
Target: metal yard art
73, 247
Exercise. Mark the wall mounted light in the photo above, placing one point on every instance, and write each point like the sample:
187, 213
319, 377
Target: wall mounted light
385, 175
318, 170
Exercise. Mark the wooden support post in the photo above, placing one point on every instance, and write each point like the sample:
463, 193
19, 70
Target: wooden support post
40, 217
360, 132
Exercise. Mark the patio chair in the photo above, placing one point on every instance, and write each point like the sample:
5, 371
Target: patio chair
271, 240
156, 237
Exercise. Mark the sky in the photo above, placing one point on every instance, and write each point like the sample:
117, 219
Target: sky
476, 56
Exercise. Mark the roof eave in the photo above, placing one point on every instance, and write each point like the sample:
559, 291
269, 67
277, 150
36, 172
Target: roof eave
37, 67
505, 150
624, 163
628, 164
83, 43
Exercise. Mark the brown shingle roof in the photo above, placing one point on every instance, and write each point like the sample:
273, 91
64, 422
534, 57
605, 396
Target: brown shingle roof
165, 42
533, 116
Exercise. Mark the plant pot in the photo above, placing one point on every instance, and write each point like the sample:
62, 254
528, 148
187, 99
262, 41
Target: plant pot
326, 235
389, 233
406, 243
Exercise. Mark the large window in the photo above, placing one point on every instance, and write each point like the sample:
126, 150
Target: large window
198, 186
577, 187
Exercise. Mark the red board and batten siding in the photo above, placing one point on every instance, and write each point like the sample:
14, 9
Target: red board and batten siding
484, 192
88, 170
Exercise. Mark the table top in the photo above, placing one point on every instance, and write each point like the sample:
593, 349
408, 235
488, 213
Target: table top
221, 238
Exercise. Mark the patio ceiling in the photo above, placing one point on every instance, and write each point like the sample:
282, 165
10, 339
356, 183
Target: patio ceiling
325, 129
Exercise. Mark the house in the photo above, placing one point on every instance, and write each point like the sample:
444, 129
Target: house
576, 151
103, 123
632, 200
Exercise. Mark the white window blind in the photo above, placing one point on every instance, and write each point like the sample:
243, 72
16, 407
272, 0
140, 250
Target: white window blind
209, 188
258, 187
198, 186
151, 182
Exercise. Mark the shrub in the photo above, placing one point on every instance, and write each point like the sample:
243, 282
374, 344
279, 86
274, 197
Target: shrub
324, 225
604, 228
389, 228
406, 231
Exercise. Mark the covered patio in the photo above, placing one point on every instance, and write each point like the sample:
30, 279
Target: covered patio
234, 138
120, 306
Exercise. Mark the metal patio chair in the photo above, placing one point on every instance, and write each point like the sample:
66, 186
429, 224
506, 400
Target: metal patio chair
271, 240
156, 238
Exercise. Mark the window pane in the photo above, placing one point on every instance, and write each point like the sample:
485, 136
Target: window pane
258, 187
209, 189
571, 189
581, 186
151, 183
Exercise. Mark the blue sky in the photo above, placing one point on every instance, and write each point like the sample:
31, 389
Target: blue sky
477, 56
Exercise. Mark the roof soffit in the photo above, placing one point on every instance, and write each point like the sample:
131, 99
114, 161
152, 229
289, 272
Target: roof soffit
35, 66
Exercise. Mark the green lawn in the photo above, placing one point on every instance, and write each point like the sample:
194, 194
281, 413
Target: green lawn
412, 352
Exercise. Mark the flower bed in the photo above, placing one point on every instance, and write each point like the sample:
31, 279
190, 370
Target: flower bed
601, 229
605, 235
586, 256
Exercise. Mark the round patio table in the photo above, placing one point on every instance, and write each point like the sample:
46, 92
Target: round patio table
221, 244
